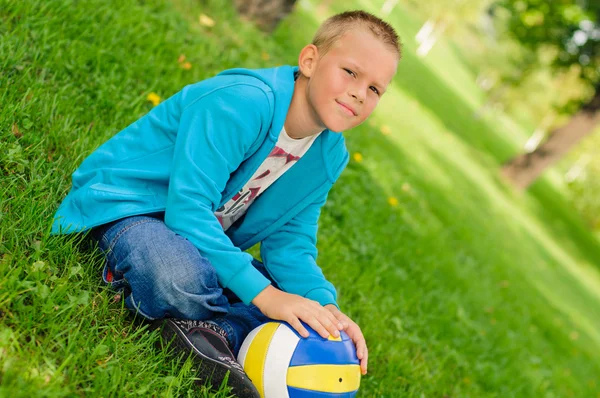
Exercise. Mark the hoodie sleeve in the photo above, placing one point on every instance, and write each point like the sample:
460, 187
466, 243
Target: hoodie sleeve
214, 134
290, 254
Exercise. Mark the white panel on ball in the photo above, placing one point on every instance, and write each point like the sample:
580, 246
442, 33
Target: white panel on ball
280, 354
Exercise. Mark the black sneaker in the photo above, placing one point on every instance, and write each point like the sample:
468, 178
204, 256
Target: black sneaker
207, 341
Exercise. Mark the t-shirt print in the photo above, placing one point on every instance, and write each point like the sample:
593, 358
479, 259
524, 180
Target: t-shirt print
286, 153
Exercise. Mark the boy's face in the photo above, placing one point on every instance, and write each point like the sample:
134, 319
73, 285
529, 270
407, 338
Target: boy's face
346, 83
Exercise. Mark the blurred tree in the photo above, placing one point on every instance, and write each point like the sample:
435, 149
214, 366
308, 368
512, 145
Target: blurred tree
568, 33
442, 18
582, 168
265, 13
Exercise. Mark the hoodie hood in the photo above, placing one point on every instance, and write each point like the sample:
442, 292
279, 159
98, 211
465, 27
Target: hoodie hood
281, 82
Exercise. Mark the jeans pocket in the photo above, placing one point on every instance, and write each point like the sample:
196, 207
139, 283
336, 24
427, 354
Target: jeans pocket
116, 280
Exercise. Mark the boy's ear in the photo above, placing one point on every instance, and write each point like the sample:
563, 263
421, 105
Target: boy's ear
307, 60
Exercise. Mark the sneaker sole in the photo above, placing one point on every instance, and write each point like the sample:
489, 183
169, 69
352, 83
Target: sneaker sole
209, 369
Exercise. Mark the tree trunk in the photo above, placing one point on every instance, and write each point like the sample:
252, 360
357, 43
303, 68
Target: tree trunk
265, 13
525, 168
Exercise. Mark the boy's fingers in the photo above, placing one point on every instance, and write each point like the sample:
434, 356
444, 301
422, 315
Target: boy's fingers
344, 320
362, 347
336, 317
333, 330
318, 327
329, 321
361, 344
320, 324
341, 318
364, 355
364, 361
335, 322
329, 329
363, 352
334, 311
296, 324
331, 326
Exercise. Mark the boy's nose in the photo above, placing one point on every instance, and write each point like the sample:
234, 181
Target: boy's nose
358, 97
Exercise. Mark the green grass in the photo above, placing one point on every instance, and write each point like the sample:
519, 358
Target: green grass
465, 288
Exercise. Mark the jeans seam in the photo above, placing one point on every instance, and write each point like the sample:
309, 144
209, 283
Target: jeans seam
127, 228
137, 308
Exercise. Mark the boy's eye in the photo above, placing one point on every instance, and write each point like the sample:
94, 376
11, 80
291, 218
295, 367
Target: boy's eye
350, 72
374, 89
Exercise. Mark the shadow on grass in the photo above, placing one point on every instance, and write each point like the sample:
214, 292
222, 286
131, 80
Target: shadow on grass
564, 222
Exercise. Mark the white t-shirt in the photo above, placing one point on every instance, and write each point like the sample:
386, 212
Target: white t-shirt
286, 153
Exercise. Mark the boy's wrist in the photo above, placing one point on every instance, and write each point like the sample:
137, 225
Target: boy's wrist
264, 296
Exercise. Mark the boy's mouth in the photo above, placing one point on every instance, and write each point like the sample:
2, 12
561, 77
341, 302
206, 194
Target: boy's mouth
347, 108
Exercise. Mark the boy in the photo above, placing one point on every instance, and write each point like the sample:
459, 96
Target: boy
175, 198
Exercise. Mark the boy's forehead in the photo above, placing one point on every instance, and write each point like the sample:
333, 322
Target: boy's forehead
346, 39
359, 42
363, 49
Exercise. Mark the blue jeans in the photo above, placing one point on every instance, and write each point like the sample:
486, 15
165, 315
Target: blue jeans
161, 274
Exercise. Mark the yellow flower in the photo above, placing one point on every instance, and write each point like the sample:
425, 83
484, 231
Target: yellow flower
154, 98
205, 20
393, 201
181, 58
357, 157
186, 65
265, 56
386, 130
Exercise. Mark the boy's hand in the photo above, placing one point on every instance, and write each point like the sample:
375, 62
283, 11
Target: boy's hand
354, 332
292, 308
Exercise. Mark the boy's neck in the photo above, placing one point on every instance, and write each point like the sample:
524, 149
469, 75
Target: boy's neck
299, 123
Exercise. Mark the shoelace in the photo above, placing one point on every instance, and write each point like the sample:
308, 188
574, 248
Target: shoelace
190, 324
233, 363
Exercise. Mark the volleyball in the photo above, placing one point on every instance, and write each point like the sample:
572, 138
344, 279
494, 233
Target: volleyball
282, 364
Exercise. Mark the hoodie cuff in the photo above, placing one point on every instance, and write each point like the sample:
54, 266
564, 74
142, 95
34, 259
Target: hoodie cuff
247, 283
323, 296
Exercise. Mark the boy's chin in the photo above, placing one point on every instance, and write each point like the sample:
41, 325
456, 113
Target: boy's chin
340, 128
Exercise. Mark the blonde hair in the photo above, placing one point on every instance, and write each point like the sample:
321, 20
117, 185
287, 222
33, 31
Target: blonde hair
336, 26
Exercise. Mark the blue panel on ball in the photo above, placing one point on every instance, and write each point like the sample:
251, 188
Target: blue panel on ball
302, 393
324, 352
311, 332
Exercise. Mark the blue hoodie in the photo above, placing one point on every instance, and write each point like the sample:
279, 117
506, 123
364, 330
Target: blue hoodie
196, 150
